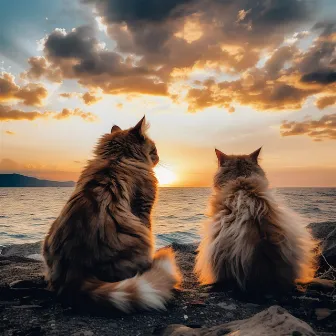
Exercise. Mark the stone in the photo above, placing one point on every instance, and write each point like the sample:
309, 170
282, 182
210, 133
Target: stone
27, 307
227, 306
274, 321
198, 303
56, 318
83, 333
22, 250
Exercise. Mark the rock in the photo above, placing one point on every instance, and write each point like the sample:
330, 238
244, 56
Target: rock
272, 321
34, 331
227, 306
323, 313
22, 250
38, 257
197, 303
27, 307
180, 330
27, 284
204, 307
83, 333
188, 248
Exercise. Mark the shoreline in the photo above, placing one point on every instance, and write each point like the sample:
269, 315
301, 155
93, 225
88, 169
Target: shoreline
27, 308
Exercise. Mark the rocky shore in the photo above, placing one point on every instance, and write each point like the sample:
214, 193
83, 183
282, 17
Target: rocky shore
28, 308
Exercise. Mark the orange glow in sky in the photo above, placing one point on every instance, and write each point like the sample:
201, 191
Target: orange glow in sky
166, 177
206, 78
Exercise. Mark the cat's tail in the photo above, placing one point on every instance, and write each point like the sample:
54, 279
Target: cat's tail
150, 290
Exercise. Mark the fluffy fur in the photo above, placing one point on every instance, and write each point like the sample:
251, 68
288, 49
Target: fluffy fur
101, 244
251, 241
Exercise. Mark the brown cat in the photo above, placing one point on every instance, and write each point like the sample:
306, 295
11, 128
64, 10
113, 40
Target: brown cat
250, 240
101, 244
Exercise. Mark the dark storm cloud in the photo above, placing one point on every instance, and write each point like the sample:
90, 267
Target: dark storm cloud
116, 11
79, 43
79, 55
322, 77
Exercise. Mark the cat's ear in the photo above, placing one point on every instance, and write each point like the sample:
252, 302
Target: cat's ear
140, 128
254, 156
115, 128
220, 156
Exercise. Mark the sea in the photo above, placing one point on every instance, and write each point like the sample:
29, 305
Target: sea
27, 213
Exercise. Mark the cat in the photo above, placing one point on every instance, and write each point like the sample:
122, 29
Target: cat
251, 242
101, 244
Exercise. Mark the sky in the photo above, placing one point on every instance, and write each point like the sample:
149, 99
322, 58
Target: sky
228, 74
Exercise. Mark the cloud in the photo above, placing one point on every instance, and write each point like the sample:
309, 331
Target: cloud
9, 132
67, 113
155, 30
326, 101
79, 55
154, 38
40, 67
118, 11
30, 94
282, 83
321, 129
158, 45
90, 98
9, 114
322, 77
68, 94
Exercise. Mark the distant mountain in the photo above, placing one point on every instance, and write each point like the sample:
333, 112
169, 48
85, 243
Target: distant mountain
17, 180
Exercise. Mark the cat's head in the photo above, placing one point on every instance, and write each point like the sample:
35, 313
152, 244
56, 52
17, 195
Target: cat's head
132, 143
230, 167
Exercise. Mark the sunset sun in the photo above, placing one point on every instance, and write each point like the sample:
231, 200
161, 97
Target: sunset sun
164, 176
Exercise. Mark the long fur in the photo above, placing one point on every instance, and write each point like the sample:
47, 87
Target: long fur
101, 244
150, 290
252, 241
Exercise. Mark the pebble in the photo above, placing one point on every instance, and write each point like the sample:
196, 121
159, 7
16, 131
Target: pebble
197, 303
27, 307
204, 295
227, 306
251, 305
83, 333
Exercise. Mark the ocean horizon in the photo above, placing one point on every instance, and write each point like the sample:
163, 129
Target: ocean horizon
27, 213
